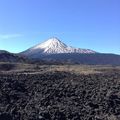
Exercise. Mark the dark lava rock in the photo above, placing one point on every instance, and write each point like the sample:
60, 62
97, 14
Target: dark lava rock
60, 96
5, 116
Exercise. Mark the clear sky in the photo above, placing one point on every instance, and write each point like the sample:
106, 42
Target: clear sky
93, 24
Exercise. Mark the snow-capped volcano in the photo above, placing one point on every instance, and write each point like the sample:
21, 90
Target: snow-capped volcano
55, 46
52, 45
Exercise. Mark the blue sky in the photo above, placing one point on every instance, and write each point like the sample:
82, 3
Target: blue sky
93, 24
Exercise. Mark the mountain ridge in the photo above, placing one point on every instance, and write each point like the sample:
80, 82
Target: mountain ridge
6, 56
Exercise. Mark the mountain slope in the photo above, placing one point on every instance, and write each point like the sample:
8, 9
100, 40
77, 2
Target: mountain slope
54, 46
54, 51
5, 56
75, 58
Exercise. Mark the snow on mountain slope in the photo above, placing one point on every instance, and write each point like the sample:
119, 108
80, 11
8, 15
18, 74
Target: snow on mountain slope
54, 46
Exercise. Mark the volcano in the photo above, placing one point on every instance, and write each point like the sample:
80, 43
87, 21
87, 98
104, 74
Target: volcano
54, 46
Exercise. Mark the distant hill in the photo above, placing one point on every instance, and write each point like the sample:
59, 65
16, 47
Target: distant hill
5, 56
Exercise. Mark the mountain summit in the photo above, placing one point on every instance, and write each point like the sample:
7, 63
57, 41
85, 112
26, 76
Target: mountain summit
54, 46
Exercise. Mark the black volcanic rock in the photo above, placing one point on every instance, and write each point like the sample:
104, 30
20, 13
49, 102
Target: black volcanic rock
60, 96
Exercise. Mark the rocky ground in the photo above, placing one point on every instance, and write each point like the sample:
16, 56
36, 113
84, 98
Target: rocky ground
60, 96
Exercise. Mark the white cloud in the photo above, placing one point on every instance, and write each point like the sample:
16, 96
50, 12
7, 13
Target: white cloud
9, 36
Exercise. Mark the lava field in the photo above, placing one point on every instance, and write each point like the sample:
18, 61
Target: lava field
60, 96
